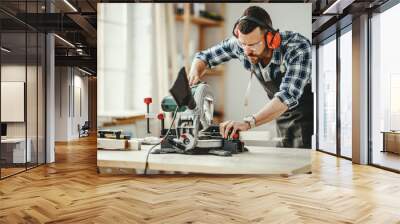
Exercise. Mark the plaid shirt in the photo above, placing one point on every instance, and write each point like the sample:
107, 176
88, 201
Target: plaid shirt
295, 50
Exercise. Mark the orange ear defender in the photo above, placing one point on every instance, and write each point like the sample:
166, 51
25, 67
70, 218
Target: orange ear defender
274, 40
272, 36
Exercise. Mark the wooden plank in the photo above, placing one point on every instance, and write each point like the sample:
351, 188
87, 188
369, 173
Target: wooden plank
201, 38
173, 49
107, 143
186, 36
259, 160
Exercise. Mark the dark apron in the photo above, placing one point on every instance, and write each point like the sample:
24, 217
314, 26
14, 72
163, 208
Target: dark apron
295, 126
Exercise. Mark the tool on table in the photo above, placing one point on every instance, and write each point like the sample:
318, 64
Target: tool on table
148, 101
194, 132
112, 134
161, 117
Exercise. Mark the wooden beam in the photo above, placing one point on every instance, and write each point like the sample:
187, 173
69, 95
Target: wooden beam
186, 36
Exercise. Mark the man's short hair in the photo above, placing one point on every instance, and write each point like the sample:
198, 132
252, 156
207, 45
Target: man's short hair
246, 26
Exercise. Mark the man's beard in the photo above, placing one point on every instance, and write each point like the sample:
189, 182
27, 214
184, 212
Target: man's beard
254, 59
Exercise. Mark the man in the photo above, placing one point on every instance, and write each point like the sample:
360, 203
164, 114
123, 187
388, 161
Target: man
281, 61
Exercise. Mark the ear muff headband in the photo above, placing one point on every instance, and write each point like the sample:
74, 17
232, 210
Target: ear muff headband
273, 38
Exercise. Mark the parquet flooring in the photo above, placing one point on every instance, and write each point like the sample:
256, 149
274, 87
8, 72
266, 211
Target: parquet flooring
71, 191
10, 171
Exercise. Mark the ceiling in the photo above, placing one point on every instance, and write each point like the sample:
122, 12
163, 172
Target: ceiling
72, 20
76, 22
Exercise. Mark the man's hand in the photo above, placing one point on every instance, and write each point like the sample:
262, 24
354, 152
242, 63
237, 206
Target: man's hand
227, 126
193, 79
196, 71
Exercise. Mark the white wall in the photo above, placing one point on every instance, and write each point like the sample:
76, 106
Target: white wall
82, 82
61, 103
14, 73
292, 17
33, 126
13, 99
70, 83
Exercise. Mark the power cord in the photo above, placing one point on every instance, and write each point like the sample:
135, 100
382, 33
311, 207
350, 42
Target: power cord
166, 135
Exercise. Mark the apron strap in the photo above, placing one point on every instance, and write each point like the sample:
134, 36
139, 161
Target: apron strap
246, 97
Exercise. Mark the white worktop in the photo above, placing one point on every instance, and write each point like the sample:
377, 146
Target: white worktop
259, 160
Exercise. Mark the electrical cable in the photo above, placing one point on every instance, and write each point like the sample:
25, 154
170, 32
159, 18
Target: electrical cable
151, 149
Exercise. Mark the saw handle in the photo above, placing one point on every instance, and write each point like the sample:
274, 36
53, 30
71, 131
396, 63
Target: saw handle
161, 117
235, 135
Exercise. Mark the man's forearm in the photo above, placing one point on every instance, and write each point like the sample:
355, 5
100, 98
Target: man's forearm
274, 109
198, 67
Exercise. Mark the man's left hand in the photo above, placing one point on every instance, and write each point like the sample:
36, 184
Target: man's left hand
227, 126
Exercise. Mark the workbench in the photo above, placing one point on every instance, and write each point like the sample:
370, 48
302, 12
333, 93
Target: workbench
14, 151
258, 160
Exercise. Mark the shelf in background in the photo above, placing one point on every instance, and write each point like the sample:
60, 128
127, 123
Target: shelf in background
120, 118
201, 21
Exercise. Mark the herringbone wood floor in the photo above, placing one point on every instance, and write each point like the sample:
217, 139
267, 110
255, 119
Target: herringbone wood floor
70, 191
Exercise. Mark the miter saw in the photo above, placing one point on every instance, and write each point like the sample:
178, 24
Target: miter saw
194, 131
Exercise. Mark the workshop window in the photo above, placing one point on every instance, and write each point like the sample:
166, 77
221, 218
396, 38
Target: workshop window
126, 54
327, 96
346, 94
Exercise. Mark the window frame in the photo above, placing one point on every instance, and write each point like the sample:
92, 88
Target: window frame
334, 37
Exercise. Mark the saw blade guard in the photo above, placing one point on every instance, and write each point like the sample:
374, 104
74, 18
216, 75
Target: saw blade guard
204, 99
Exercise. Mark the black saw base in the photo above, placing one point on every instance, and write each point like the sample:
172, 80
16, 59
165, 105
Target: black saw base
229, 146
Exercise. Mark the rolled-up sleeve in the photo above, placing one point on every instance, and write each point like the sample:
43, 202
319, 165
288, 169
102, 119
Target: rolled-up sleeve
220, 53
297, 76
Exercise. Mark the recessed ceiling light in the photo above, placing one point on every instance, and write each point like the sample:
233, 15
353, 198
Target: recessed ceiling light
84, 71
5, 50
332, 8
64, 40
70, 5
